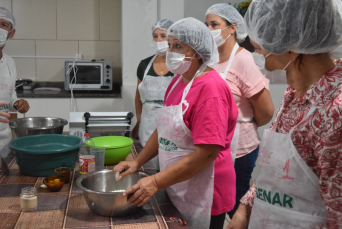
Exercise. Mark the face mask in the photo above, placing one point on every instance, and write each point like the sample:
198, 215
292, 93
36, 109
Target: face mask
160, 47
3, 37
176, 64
277, 76
217, 36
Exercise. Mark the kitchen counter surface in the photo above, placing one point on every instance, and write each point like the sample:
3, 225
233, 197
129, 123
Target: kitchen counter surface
68, 209
30, 93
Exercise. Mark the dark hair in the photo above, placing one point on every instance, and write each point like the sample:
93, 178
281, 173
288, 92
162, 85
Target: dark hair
229, 24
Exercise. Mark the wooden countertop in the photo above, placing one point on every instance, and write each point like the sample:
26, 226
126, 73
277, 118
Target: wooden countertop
68, 209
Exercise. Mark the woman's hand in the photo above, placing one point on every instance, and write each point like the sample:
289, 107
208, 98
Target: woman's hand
135, 131
143, 191
22, 106
125, 168
241, 217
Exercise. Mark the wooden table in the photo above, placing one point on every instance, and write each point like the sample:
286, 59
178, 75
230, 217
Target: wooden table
68, 209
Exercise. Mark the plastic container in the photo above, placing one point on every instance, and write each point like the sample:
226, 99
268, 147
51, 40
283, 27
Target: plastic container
117, 148
40, 155
87, 161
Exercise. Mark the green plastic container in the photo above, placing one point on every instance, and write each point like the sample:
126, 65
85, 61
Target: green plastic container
117, 148
40, 155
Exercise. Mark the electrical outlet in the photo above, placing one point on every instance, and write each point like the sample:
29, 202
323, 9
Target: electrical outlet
78, 56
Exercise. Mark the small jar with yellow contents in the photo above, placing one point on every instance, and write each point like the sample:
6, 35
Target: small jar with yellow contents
54, 183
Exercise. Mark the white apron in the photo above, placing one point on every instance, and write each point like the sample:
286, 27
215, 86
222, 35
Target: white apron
151, 89
235, 139
194, 197
7, 85
287, 193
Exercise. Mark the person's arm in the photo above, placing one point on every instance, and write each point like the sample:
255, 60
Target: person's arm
138, 110
183, 170
329, 151
263, 107
241, 217
150, 150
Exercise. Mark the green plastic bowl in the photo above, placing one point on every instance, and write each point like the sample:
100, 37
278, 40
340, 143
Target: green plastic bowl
40, 155
117, 148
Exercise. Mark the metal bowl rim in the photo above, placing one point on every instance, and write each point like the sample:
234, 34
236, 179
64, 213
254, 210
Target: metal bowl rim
64, 122
81, 178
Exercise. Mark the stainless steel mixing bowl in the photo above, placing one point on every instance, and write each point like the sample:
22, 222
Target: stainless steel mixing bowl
36, 125
104, 194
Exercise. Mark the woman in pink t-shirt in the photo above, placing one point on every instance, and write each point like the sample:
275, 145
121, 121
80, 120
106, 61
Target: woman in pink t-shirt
194, 131
249, 88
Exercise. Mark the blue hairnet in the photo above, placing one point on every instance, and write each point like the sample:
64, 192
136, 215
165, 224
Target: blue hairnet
163, 24
300, 26
233, 16
7, 15
196, 34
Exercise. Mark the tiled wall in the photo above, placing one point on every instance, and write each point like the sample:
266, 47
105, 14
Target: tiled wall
63, 28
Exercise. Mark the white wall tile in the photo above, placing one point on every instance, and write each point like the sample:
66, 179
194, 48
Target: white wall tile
50, 70
78, 19
20, 48
35, 19
107, 50
110, 20
56, 48
53, 69
26, 68
7, 4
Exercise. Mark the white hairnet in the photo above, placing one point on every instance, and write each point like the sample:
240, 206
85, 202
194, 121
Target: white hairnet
301, 26
233, 16
163, 24
196, 34
7, 15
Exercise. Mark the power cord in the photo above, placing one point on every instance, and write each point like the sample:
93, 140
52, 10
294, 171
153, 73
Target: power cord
73, 104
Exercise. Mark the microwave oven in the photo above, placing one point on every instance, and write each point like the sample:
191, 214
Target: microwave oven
90, 75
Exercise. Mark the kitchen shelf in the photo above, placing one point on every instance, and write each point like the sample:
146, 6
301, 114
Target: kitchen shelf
29, 93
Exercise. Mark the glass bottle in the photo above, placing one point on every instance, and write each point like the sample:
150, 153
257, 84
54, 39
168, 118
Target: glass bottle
28, 199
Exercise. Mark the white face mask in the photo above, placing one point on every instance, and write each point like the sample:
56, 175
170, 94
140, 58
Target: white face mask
176, 64
3, 37
277, 76
217, 36
160, 47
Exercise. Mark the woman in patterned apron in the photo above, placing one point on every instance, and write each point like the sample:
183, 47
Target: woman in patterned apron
193, 135
300, 179
249, 87
153, 80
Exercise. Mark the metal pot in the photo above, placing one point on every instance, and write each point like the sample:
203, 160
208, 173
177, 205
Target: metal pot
104, 194
36, 125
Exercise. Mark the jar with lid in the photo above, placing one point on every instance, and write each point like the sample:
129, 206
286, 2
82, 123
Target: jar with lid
28, 199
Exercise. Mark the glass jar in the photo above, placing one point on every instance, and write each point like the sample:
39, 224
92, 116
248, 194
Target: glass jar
28, 199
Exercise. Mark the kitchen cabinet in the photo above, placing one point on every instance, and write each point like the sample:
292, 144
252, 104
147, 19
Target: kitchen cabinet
60, 107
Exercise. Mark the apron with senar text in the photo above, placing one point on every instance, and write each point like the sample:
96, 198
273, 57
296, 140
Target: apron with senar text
287, 190
152, 91
235, 139
194, 197
7, 86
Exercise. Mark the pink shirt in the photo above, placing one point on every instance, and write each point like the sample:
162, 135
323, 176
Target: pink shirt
318, 139
211, 117
245, 80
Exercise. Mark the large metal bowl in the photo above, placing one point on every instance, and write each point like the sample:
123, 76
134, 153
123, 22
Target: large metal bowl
36, 125
103, 193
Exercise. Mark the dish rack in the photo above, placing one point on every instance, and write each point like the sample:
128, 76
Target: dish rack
100, 123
